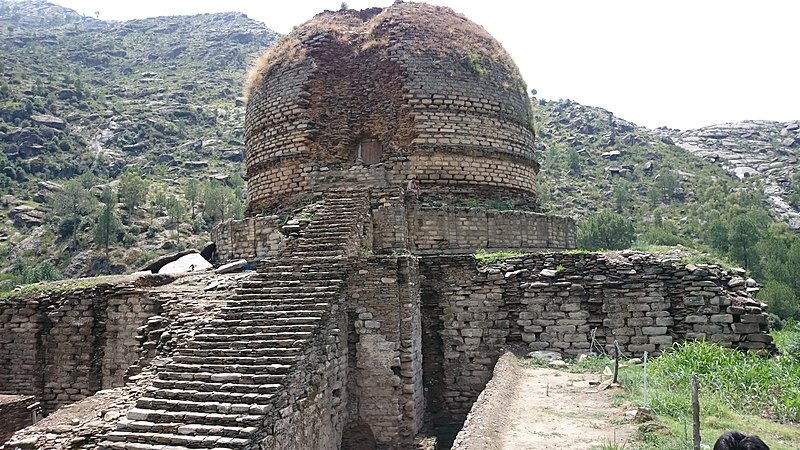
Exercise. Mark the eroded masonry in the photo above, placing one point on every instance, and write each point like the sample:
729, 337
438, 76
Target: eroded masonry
384, 147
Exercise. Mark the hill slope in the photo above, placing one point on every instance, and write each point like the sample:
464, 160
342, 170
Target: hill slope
79, 95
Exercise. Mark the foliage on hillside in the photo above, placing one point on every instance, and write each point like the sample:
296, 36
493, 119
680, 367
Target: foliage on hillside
144, 112
593, 162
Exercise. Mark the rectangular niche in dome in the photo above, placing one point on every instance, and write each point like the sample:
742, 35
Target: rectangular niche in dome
369, 151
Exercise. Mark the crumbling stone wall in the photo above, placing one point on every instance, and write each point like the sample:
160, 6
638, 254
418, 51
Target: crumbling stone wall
251, 237
16, 412
573, 303
385, 391
63, 347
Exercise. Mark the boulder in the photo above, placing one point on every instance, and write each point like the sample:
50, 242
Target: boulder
50, 121
545, 355
235, 266
156, 264
192, 262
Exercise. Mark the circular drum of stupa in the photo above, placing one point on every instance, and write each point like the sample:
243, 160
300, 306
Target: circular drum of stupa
379, 97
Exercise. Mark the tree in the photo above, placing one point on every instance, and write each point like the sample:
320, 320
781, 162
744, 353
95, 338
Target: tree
781, 300
191, 190
743, 235
176, 210
605, 230
574, 162
107, 223
132, 189
220, 202
622, 196
716, 235
71, 204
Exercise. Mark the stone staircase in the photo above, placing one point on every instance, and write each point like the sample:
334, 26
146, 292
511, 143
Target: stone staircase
224, 386
335, 229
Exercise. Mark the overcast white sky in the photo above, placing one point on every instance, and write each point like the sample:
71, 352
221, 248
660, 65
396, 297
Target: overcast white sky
679, 63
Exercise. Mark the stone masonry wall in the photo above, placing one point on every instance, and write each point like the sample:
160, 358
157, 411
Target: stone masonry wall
385, 389
15, 414
63, 347
465, 230
572, 303
250, 237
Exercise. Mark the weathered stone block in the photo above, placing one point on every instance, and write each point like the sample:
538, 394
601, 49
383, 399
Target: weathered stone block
745, 328
654, 330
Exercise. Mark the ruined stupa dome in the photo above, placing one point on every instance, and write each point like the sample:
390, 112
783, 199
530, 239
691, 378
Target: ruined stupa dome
382, 96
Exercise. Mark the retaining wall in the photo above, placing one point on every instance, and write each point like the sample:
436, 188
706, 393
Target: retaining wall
573, 304
63, 347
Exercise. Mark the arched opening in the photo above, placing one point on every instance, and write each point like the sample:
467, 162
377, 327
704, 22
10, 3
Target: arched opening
357, 435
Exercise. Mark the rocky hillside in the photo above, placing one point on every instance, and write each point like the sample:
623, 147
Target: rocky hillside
592, 159
158, 97
760, 149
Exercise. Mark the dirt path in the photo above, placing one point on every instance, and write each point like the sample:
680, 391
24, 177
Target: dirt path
541, 408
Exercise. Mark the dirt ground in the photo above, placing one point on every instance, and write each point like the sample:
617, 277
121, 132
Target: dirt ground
542, 408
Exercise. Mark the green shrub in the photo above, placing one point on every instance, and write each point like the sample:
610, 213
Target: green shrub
605, 230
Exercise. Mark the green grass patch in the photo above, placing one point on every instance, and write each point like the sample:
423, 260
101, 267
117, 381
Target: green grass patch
738, 391
787, 339
52, 287
485, 258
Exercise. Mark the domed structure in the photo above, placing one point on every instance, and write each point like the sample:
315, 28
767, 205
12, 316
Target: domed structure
381, 97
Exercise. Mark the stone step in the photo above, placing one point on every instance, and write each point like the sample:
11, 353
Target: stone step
314, 253
245, 360
252, 352
253, 309
274, 369
268, 325
143, 426
229, 377
255, 294
219, 419
255, 342
294, 290
273, 314
217, 387
254, 408
111, 445
285, 274
305, 285
187, 441
258, 326
205, 396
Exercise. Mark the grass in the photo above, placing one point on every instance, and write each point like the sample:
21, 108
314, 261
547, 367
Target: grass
739, 391
485, 258
52, 286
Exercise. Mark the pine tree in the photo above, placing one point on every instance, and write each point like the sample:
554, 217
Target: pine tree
132, 189
107, 223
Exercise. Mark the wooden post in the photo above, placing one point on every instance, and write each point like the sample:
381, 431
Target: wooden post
616, 360
644, 390
695, 413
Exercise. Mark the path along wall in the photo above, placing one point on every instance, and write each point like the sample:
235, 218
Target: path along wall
572, 303
63, 347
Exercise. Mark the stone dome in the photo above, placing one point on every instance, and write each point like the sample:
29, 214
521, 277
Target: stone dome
381, 96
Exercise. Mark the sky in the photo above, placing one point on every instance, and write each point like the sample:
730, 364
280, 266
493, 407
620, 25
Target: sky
676, 63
